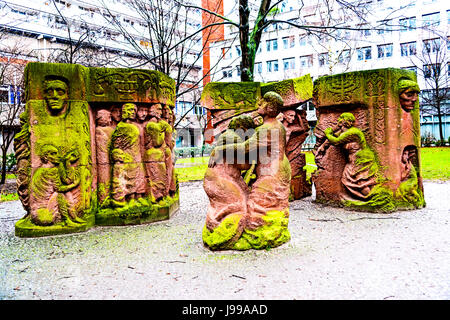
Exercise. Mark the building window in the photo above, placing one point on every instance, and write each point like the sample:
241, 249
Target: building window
344, 56
384, 51
323, 59
198, 110
258, 67
431, 45
227, 72
408, 49
306, 61
272, 45
288, 42
238, 69
183, 107
238, 51
366, 31
431, 70
226, 53
364, 53
289, 64
272, 66
431, 19
303, 40
385, 27
408, 24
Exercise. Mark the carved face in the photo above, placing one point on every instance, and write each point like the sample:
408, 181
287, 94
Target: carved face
289, 116
50, 154
55, 94
103, 118
167, 113
408, 99
129, 111
116, 114
73, 155
142, 113
156, 110
405, 156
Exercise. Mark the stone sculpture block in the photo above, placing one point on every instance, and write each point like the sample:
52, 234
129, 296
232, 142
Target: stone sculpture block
226, 100
82, 157
248, 212
368, 138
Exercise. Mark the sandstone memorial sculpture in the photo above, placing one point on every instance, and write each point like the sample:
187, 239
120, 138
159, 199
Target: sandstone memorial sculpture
244, 215
81, 151
367, 140
226, 100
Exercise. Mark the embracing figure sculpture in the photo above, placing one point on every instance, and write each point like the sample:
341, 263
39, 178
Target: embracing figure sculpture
253, 216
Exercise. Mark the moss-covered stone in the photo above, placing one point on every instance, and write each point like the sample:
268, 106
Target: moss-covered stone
272, 234
57, 117
221, 236
26, 228
293, 91
138, 211
231, 95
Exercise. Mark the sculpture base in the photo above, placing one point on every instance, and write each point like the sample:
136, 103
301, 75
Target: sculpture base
25, 228
138, 212
272, 234
382, 200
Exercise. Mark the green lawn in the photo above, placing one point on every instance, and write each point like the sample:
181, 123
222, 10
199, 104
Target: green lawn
435, 163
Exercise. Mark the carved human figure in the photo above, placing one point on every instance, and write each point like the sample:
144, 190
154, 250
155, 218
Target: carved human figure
268, 199
70, 176
408, 188
128, 177
116, 115
224, 185
296, 132
156, 150
44, 188
169, 117
360, 171
56, 94
141, 121
103, 134
408, 94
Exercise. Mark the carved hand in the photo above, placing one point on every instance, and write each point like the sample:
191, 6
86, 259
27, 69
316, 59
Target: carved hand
328, 131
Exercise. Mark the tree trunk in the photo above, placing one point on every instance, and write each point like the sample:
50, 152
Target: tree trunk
3, 179
246, 68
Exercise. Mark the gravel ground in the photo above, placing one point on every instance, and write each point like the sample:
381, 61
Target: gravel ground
333, 254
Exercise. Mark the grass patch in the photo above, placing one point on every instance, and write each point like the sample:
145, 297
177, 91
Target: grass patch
197, 160
191, 173
435, 163
9, 197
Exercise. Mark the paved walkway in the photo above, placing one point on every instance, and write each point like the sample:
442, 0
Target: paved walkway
333, 254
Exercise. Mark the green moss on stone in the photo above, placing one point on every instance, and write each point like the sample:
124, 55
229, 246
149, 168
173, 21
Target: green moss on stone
220, 237
272, 234
26, 228
138, 211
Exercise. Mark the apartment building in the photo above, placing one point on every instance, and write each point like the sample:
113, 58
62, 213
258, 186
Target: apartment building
45, 29
396, 35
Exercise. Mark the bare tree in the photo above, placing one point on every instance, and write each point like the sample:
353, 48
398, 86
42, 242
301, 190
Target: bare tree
166, 39
12, 64
325, 18
81, 46
433, 63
